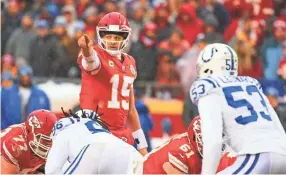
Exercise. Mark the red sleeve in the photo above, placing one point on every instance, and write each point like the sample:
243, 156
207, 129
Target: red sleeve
10, 152
179, 160
227, 160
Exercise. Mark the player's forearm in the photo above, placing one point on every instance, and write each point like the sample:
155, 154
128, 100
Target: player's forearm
91, 62
133, 119
8, 168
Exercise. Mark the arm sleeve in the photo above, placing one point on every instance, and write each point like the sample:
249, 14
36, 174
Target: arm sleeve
211, 126
58, 155
90, 63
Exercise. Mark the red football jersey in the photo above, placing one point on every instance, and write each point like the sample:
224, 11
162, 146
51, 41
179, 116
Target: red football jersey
16, 150
178, 152
108, 87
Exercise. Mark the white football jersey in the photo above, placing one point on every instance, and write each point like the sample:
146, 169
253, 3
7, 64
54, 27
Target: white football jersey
70, 135
250, 124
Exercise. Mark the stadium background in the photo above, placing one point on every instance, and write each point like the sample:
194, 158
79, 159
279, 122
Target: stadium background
39, 41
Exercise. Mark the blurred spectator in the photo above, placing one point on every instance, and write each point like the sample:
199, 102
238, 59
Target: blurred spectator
7, 79
271, 50
167, 73
190, 110
37, 6
91, 21
282, 65
8, 64
6, 31
20, 41
12, 15
69, 45
166, 125
69, 13
44, 15
144, 117
245, 33
248, 62
81, 7
136, 22
21, 99
176, 44
211, 24
161, 18
186, 65
170, 51
47, 54
145, 53
218, 10
186, 21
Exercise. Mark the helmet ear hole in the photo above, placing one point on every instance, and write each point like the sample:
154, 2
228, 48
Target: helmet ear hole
206, 71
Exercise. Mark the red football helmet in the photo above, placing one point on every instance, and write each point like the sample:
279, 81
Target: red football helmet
195, 135
113, 23
39, 125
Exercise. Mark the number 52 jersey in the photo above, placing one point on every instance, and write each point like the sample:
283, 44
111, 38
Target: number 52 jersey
250, 124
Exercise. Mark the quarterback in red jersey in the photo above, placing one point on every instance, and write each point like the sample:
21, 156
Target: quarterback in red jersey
108, 76
25, 146
181, 154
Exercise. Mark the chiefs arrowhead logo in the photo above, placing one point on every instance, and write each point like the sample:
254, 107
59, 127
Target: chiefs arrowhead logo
34, 122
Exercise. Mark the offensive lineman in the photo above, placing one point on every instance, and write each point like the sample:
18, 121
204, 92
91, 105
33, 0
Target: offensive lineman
236, 107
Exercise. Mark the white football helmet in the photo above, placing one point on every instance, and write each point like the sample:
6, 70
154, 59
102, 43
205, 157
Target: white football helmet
217, 59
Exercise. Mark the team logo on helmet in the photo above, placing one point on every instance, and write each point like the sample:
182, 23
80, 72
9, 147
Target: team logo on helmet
34, 122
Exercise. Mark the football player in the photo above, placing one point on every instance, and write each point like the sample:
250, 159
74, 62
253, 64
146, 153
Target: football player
180, 155
236, 107
82, 144
24, 147
107, 78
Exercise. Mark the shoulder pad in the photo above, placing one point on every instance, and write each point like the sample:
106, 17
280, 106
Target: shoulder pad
201, 88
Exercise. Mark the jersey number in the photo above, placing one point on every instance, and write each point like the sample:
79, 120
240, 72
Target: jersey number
125, 91
251, 89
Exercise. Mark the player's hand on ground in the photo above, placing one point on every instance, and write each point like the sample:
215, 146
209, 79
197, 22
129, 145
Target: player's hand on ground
85, 43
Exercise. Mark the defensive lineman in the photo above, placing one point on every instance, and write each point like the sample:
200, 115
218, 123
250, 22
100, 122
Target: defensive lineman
236, 107
82, 144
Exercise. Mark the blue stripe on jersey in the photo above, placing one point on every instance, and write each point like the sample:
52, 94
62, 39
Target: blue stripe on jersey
74, 160
79, 160
209, 81
253, 164
243, 164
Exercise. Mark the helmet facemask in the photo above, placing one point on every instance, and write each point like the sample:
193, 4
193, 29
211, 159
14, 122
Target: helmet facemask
198, 137
40, 145
104, 44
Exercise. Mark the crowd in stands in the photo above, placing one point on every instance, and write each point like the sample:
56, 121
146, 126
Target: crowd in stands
167, 36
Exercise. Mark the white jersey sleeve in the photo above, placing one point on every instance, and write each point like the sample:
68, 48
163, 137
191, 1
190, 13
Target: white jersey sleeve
201, 88
211, 126
58, 154
91, 63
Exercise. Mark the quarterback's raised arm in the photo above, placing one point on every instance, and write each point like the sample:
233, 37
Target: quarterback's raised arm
57, 156
211, 126
134, 124
90, 59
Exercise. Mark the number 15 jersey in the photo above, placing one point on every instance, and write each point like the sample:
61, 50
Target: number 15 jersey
109, 87
250, 124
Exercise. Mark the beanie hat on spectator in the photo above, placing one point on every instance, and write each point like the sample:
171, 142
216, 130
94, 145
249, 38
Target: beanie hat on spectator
25, 70
42, 24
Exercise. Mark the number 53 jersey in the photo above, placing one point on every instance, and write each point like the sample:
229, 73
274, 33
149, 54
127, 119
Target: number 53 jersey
109, 86
250, 124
